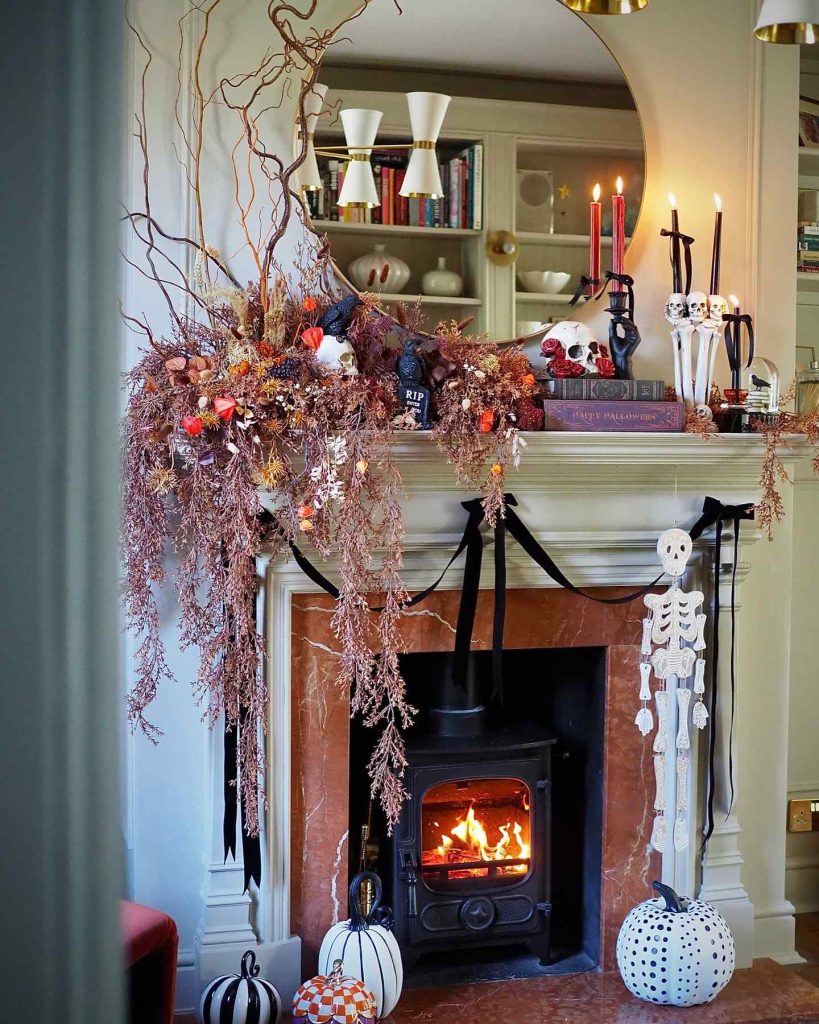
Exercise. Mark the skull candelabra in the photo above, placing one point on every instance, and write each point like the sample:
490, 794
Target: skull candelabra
672, 646
689, 315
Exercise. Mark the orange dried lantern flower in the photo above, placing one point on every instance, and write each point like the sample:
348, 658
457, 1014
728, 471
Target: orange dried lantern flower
225, 407
497, 469
486, 421
192, 425
312, 337
309, 304
305, 511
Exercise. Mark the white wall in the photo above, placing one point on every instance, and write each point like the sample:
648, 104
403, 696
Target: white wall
802, 880
699, 67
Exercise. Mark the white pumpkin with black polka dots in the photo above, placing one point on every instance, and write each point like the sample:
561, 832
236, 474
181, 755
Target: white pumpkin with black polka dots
675, 951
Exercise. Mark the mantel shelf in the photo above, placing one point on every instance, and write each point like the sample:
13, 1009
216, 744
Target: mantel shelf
621, 449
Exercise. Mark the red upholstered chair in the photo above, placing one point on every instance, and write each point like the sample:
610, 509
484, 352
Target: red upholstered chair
151, 943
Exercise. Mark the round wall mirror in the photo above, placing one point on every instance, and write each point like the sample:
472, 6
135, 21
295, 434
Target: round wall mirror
471, 191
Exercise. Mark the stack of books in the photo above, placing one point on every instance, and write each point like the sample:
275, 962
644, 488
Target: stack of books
461, 205
597, 404
807, 249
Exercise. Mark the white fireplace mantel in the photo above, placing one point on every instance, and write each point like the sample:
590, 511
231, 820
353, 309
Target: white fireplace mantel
598, 503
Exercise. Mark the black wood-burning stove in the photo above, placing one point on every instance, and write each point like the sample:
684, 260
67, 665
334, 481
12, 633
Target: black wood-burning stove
471, 853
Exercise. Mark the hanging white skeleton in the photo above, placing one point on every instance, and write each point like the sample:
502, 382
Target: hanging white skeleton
672, 646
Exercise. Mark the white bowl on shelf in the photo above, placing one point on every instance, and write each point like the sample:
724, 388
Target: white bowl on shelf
543, 282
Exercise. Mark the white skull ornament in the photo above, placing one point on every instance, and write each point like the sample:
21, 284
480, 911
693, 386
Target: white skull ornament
336, 354
697, 307
716, 307
674, 549
577, 341
676, 309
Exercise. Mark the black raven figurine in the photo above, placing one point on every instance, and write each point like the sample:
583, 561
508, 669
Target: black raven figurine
339, 316
409, 366
758, 382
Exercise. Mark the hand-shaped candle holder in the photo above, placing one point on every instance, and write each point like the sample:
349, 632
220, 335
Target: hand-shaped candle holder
623, 334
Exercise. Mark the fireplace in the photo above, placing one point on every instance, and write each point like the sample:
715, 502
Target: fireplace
569, 670
470, 857
470, 865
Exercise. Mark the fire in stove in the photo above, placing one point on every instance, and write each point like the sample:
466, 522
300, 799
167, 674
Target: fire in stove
478, 828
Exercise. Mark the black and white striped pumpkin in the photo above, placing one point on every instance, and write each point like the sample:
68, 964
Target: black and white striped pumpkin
368, 949
241, 998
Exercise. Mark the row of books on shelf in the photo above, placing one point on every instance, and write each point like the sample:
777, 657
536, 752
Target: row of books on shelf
460, 206
807, 249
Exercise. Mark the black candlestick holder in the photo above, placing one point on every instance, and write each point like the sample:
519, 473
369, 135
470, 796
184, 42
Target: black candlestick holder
624, 337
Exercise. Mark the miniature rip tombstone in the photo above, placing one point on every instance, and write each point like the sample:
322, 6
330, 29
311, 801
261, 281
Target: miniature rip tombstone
412, 393
673, 642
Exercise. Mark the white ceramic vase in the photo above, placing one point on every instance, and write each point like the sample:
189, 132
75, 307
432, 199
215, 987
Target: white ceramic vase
441, 281
379, 271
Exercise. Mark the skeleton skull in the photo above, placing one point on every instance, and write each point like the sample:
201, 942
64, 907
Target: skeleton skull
697, 307
716, 307
676, 309
336, 354
674, 549
578, 342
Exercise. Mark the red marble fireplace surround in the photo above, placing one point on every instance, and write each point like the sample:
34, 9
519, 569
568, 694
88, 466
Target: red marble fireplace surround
535, 618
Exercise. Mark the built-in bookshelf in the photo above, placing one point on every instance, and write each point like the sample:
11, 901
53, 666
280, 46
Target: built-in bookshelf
502, 138
396, 230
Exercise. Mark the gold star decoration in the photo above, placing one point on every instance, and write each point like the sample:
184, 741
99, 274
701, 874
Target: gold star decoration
564, 191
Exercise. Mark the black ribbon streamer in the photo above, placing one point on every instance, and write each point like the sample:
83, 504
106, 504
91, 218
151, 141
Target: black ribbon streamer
251, 845
714, 514
687, 242
590, 287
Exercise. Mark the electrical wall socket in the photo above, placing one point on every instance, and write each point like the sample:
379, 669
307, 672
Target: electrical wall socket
800, 818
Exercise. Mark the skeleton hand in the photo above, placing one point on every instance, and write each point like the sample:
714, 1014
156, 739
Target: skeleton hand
623, 340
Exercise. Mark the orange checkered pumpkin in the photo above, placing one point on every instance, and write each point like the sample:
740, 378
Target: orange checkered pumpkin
334, 999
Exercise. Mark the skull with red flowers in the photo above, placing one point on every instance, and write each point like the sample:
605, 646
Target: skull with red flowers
573, 342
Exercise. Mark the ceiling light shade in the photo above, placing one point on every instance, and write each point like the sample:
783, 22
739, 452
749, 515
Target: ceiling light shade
788, 21
606, 6
427, 111
308, 174
360, 130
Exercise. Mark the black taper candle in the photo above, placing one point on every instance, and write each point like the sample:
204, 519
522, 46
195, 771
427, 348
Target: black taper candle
717, 254
676, 257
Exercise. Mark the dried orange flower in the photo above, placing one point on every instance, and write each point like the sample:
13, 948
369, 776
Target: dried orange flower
497, 469
361, 466
305, 511
305, 525
312, 337
309, 304
529, 380
486, 421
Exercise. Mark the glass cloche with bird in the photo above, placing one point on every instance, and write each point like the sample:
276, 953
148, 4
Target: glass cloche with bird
762, 382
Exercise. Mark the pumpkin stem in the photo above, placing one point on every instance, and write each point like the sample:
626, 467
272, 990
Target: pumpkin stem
336, 974
673, 903
250, 968
358, 921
